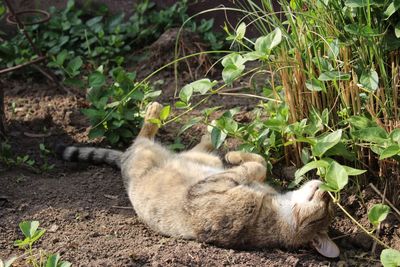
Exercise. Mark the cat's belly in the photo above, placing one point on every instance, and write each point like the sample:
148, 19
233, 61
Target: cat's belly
160, 197
207, 171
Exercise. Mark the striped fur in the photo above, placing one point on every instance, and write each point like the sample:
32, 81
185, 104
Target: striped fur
90, 154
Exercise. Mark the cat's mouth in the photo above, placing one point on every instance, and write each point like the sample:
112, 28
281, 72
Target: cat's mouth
319, 195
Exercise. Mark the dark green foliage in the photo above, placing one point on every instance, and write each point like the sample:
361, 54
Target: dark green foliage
101, 39
115, 106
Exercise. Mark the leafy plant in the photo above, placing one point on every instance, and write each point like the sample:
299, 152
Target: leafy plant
9, 159
32, 233
115, 107
78, 41
44, 154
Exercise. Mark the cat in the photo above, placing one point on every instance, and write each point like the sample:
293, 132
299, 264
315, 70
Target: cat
191, 195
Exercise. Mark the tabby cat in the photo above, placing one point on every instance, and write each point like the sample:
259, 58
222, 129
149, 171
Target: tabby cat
191, 195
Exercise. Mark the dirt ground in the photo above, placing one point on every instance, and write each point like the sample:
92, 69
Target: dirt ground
87, 214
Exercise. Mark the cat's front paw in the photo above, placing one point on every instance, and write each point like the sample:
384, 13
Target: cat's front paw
307, 191
153, 111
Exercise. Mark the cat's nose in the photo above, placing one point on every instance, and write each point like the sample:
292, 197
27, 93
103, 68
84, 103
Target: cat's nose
322, 195
325, 196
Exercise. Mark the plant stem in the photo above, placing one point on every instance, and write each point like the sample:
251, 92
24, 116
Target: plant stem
357, 223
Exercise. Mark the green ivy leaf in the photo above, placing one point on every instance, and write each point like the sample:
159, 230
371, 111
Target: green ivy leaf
61, 57
392, 8
29, 228
125, 133
395, 135
375, 135
361, 122
334, 76
390, 151
75, 64
96, 132
265, 44
92, 114
233, 67
306, 168
241, 31
231, 72
390, 258
315, 85
155, 121
254, 55
305, 155
217, 137
52, 260
189, 124
186, 93
397, 30
164, 113
336, 177
38, 234
113, 137
333, 49
91, 22
340, 150
22, 243
181, 104
377, 214
96, 79
352, 171
202, 86
369, 80
326, 142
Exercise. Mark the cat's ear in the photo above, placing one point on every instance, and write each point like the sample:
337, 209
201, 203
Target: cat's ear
325, 246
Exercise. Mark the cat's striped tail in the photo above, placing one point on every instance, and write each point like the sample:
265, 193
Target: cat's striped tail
90, 154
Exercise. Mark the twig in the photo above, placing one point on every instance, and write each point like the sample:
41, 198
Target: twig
250, 95
36, 135
110, 196
386, 200
122, 207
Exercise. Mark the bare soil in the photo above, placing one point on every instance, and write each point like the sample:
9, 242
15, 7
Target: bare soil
87, 214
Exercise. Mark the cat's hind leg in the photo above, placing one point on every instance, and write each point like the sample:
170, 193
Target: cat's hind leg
201, 153
149, 129
205, 144
239, 157
144, 154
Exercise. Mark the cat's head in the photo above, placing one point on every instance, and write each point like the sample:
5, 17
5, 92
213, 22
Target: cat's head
312, 211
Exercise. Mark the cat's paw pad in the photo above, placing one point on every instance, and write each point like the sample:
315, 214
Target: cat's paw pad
153, 111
